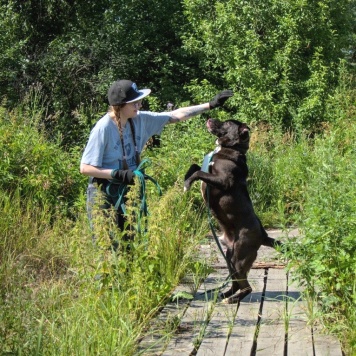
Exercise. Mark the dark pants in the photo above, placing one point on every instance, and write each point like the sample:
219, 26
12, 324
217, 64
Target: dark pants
99, 186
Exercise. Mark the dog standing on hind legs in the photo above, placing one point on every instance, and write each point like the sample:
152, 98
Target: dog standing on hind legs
224, 189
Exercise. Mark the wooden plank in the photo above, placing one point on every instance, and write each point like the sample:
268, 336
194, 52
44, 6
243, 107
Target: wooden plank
243, 331
276, 233
153, 343
271, 335
299, 336
302, 336
194, 321
326, 345
218, 330
300, 341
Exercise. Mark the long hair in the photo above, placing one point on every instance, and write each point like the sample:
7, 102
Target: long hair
116, 110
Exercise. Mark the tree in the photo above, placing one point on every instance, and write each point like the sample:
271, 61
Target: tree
74, 49
281, 57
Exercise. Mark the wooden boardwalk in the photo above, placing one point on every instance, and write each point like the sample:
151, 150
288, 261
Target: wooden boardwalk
272, 320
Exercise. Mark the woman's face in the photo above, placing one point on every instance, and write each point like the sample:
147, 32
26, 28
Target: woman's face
131, 109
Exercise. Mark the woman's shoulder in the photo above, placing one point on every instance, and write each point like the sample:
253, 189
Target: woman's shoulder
104, 122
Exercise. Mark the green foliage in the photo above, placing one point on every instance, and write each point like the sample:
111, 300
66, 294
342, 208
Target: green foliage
36, 168
281, 58
75, 49
33, 254
50, 300
178, 152
324, 260
12, 60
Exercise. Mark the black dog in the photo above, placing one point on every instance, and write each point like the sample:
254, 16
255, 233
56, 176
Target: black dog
224, 189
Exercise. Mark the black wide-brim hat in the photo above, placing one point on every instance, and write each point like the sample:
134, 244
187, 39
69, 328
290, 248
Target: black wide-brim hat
125, 91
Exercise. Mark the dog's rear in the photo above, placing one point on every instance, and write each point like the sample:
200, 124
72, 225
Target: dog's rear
224, 187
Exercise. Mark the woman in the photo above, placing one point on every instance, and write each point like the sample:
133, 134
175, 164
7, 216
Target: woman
116, 141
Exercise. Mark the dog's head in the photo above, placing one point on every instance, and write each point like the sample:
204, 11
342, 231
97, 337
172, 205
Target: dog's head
230, 133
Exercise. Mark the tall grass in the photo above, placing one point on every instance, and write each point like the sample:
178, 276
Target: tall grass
51, 302
325, 259
309, 182
34, 166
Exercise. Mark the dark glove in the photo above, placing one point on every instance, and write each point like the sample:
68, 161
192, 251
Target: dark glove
123, 176
219, 99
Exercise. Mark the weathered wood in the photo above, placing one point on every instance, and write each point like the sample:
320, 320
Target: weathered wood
243, 332
325, 345
300, 340
196, 317
155, 338
275, 265
272, 330
218, 330
210, 328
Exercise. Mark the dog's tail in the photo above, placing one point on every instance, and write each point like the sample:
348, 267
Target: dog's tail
270, 242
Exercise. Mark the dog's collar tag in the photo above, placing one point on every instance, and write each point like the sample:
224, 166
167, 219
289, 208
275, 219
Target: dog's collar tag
208, 160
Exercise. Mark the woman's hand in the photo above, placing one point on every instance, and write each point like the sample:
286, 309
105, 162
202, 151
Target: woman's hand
125, 176
219, 99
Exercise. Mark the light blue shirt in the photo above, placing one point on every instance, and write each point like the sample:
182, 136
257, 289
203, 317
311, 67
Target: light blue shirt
104, 148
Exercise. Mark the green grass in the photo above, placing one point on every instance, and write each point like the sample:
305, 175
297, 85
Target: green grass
310, 183
50, 302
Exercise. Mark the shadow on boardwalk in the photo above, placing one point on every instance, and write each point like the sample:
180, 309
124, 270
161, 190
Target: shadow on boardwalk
272, 320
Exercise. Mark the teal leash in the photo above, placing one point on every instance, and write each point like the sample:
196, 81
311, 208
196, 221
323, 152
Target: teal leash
123, 188
142, 177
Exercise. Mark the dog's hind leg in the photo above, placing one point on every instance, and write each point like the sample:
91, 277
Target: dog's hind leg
235, 286
240, 286
244, 289
242, 259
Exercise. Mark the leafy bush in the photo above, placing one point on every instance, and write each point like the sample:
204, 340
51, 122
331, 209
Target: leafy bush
35, 167
181, 145
325, 259
281, 58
